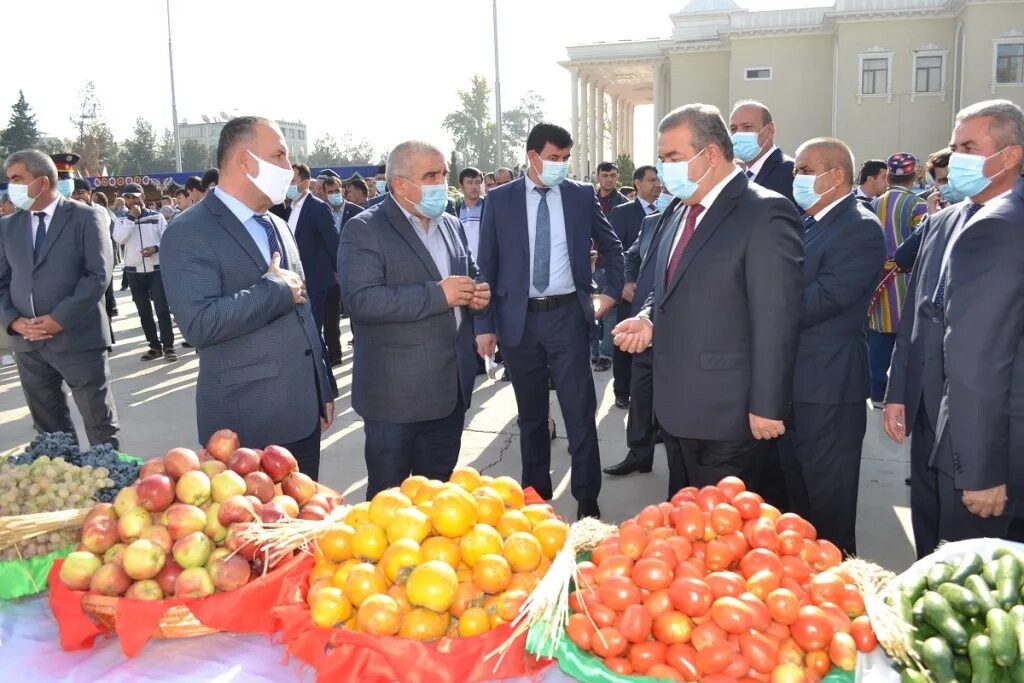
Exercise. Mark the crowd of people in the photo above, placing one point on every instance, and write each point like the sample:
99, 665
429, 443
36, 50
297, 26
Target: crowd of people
751, 306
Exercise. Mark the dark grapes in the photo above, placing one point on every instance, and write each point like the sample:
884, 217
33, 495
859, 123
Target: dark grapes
64, 445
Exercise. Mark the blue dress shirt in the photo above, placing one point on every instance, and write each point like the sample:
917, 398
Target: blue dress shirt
245, 216
561, 281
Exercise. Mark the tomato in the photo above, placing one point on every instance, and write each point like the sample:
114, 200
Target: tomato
762, 618
760, 559
737, 668
718, 555
708, 497
680, 546
765, 536
709, 531
811, 552
760, 651
665, 672
577, 598
715, 657
791, 521
723, 677
732, 615
603, 615
632, 541
684, 495
843, 651
813, 628
851, 601
690, 521
691, 569
796, 568
706, 633
645, 655
690, 596
683, 659
748, 504
619, 665
618, 592
863, 634
580, 631
615, 565
635, 624
672, 627
825, 587
725, 519
783, 606
608, 642
731, 487
605, 549
818, 662
762, 583
726, 583
662, 550
831, 556
788, 673
790, 542
837, 616
738, 543
790, 653
650, 517
661, 533
657, 603
777, 632
652, 574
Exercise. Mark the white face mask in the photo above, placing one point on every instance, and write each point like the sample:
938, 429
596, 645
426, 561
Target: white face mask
272, 180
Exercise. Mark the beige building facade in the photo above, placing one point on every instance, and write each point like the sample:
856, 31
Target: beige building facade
883, 75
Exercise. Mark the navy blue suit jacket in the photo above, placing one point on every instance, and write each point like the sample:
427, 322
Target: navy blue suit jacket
504, 259
776, 174
348, 212
626, 219
638, 258
318, 244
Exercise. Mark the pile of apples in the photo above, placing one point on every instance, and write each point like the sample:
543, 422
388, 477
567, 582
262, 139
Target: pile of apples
175, 532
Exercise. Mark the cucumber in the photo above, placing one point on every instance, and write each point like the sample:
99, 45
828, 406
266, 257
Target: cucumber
904, 607
1003, 637
917, 612
913, 676
1008, 575
938, 659
924, 632
969, 564
940, 614
938, 574
1005, 550
983, 666
975, 625
962, 600
988, 573
1016, 672
962, 668
1017, 617
982, 591
916, 587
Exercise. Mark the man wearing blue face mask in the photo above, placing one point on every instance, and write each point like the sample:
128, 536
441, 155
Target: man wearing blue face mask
939, 198
753, 140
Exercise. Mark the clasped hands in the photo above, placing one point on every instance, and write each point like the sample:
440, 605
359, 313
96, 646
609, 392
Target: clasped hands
461, 290
37, 329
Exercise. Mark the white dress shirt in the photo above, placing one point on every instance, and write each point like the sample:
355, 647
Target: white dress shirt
560, 280
755, 167
293, 217
49, 211
824, 212
708, 200
436, 243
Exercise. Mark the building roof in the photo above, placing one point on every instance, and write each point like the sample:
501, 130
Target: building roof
694, 6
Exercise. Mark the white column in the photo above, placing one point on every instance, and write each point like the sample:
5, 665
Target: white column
615, 126
629, 130
658, 99
575, 127
600, 124
583, 162
592, 126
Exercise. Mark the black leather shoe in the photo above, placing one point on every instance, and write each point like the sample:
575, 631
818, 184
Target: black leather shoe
628, 466
658, 438
602, 365
588, 508
622, 402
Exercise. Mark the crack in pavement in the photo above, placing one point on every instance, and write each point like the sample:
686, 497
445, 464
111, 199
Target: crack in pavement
509, 438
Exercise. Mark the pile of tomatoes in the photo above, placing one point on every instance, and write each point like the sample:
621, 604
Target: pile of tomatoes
718, 586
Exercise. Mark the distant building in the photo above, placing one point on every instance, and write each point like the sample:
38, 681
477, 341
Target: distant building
208, 132
883, 75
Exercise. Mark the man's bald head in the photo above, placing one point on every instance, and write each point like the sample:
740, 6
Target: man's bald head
831, 153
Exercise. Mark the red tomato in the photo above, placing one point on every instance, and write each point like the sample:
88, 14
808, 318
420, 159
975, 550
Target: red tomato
731, 487
680, 546
690, 521
725, 519
794, 567
762, 618
690, 596
790, 542
603, 615
708, 497
645, 655
817, 662
726, 583
652, 574
662, 550
811, 552
683, 658
813, 629
619, 665
737, 668
852, 602
715, 657
650, 517
660, 533
632, 541
843, 651
777, 632
790, 521
765, 536
706, 633
580, 631
783, 606
587, 572
825, 587
657, 603
790, 653
666, 672
762, 583
619, 592
672, 627
738, 543
732, 615
760, 651
608, 642
838, 617
605, 549
831, 556
615, 565
635, 624
717, 555
691, 569
579, 596
748, 503
788, 673
759, 559
688, 494
721, 678
863, 634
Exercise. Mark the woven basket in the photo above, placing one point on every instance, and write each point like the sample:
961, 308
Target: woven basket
177, 622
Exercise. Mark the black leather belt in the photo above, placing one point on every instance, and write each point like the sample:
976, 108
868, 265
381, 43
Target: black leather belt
547, 303
133, 269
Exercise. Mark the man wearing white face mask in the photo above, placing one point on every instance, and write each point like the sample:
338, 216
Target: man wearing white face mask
234, 281
753, 140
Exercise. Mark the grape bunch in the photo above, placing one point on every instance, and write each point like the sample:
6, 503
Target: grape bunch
54, 445
63, 445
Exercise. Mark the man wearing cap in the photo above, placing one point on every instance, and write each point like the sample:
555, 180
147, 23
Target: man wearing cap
65, 163
899, 211
83, 193
140, 232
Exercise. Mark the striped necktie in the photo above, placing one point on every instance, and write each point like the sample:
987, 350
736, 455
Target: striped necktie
272, 242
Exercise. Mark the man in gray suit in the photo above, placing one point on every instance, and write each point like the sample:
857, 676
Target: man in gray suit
234, 283
407, 282
55, 264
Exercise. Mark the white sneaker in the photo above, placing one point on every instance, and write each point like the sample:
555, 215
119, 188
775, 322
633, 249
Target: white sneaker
6, 360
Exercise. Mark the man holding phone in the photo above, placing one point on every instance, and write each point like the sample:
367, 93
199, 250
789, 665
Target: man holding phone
140, 231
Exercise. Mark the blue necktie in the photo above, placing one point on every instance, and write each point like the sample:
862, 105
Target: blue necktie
940, 291
750, 175
272, 241
37, 248
542, 243
809, 222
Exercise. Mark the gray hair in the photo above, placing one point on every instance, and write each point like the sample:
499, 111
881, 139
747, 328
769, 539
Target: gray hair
400, 159
766, 114
37, 163
1007, 127
706, 126
835, 153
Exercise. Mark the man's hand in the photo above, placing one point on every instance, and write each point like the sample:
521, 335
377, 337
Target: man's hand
29, 330
481, 296
988, 503
135, 210
629, 291
762, 428
459, 290
602, 304
935, 202
149, 251
593, 260
633, 335
486, 345
290, 278
328, 418
894, 421
47, 325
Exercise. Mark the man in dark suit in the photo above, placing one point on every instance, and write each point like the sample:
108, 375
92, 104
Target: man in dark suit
725, 312
753, 138
535, 243
407, 280
234, 281
55, 264
609, 197
341, 209
626, 219
843, 256
871, 181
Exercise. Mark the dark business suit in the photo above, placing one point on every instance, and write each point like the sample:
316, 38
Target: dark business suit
725, 332
413, 370
332, 303
977, 433
538, 343
776, 174
67, 281
821, 449
317, 240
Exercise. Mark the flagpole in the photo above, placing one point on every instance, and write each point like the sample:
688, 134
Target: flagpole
174, 102
497, 91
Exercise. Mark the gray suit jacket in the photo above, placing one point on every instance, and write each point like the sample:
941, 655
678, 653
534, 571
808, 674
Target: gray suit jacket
261, 365
410, 362
68, 283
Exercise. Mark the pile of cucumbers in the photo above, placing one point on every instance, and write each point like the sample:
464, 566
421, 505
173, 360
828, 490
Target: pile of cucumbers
968, 616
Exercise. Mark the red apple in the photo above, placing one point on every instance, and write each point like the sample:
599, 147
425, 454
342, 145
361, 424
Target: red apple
319, 498
127, 498
194, 582
182, 520
78, 569
222, 444
156, 492
260, 485
115, 554
243, 461
288, 504
99, 535
235, 509
101, 510
161, 536
144, 559
312, 512
272, 512
236, 544
145, 590
178, 461
194, 488
213, 467
192, 550
299, 486
133, 523
278, 462
229, 573
154, 466
110, 580
168, 575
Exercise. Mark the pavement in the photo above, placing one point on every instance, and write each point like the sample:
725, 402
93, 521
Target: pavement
156, 407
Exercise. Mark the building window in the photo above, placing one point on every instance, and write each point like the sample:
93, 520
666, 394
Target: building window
928, 74
302, 134
874, 77
1009, 64
758, 73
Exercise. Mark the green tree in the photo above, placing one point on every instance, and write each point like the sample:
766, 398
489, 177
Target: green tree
138, 153
165, 160
355, 153
325, 151
21, 131
516, 126
93, 141
471, 127
195, 157
626, 168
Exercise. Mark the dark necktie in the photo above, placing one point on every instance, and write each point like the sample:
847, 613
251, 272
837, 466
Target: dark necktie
689, 227
272, 241
750, 175
542, 243
37, 248
940, 290
651, 208
809, 222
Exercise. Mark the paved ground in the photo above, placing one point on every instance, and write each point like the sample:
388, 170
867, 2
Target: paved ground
156, 404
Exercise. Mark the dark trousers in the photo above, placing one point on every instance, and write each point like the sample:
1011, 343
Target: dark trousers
622, 362
695, 462
924, 486
332, 324
820, 454
556, 344
640, 423
395, 451
880, 346
307, 453
108, 298
148, 293
88, 376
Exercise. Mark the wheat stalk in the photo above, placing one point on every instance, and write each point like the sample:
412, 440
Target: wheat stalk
19, 528
281, 539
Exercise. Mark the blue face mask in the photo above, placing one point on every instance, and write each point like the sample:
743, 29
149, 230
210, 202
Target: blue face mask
554, 172
662, 202
335, 199
66, 186
381, 185
803, 190
433, 201
949, 194
967, 173
745, 145
293, 192
675, 177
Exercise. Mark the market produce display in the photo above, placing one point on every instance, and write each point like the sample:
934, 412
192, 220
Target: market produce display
119, 472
